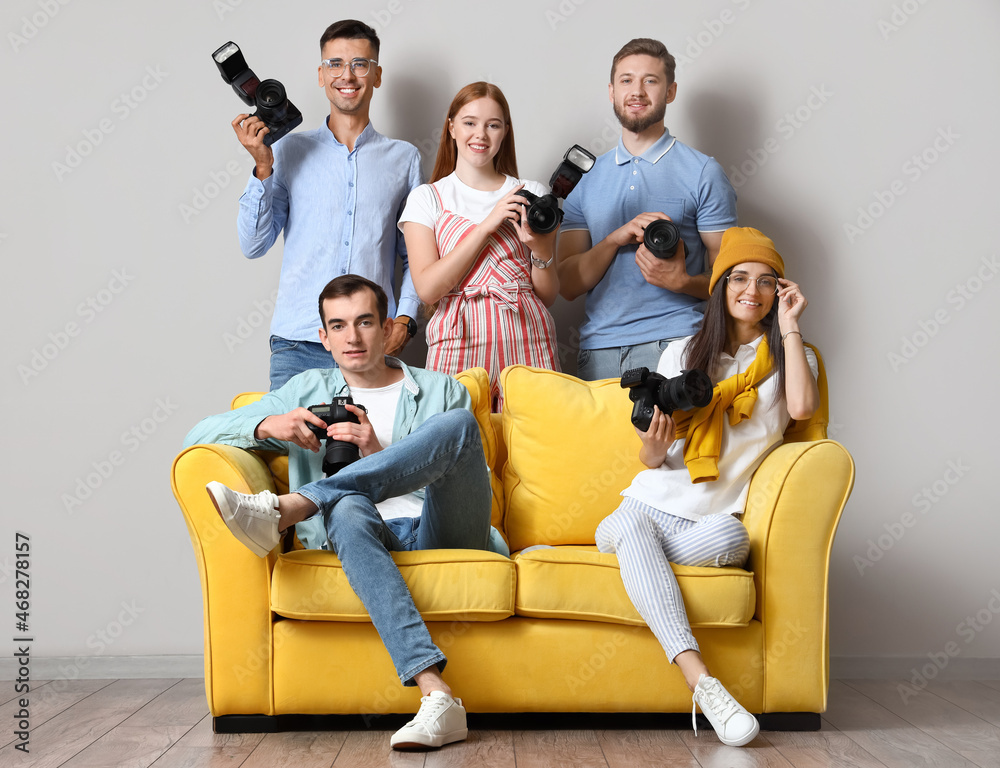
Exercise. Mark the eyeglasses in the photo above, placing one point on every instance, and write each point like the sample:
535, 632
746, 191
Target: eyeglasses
336, 67
765, 283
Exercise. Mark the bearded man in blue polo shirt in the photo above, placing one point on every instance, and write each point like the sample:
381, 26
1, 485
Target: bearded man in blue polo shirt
337, 193
637, 303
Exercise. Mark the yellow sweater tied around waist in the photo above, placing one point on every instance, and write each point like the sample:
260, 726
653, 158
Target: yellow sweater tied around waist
703, 427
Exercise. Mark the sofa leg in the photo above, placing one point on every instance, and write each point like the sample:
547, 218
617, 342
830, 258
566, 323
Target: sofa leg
245, 724
789, 721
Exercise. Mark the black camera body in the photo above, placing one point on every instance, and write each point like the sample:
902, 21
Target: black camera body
268, 96
338, 453
691, 389
544, 213
661, 238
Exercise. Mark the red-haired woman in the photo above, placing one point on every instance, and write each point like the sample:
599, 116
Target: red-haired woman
472, 253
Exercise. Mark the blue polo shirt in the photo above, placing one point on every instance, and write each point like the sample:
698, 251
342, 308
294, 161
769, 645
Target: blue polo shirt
338, 211
671, 177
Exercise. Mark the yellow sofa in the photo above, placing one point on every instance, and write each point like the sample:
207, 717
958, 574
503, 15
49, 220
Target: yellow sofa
551, 630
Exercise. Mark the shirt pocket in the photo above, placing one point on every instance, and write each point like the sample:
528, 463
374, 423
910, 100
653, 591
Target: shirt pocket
677, 208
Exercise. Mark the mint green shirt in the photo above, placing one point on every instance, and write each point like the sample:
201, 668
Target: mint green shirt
424, 394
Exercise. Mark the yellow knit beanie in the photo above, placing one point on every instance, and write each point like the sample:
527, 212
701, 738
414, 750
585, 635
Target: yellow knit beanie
741, 244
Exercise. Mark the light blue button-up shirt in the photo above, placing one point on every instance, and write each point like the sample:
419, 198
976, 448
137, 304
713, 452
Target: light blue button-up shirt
338, 211
670, 177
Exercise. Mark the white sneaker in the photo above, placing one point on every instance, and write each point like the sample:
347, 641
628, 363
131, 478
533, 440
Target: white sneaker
253, 518
440, 721
734, 725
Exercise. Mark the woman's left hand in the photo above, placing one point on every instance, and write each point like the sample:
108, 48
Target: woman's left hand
543, 246
791, 304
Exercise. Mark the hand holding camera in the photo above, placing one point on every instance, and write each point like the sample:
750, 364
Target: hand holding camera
544, 213
274, 111
341, 452
690, 389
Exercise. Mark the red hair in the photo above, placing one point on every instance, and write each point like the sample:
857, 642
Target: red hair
505, 160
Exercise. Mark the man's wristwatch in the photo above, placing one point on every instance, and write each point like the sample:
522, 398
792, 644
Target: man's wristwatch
411, 326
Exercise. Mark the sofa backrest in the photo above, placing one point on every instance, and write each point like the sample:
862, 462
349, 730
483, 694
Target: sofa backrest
561, 452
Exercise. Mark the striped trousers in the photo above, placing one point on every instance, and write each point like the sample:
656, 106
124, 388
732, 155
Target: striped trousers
646, 541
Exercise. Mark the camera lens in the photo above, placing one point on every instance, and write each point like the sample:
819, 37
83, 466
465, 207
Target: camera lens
661, 237
692, 389
272, 102
543, 213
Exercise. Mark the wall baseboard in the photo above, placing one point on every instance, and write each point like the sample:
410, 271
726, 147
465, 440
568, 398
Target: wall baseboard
908, 667
128, 667
106, 667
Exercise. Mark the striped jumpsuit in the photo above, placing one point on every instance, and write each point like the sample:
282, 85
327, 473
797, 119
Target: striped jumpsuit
493, 318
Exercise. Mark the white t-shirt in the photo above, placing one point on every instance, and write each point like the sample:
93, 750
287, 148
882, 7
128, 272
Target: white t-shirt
669, 487
381, 404
473, 204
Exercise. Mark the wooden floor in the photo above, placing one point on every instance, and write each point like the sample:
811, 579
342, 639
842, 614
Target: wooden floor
165, 724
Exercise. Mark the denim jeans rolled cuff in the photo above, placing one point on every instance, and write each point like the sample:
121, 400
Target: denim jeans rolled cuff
363, 542
290, 358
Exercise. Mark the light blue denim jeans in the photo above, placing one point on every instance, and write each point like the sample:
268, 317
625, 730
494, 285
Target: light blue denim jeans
612, 362
444, 455
289, 358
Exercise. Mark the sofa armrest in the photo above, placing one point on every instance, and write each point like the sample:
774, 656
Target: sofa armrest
235, 583
794, 504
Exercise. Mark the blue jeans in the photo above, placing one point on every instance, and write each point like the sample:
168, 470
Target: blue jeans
444, 455
289, 358
612, 362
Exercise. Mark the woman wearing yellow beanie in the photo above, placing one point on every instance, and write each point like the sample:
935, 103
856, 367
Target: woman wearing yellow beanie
684, 509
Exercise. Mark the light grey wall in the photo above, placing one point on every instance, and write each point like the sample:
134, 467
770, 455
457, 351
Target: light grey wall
125, 287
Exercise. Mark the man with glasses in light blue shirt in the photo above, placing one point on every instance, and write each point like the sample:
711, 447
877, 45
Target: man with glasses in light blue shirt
336, 192
636, 303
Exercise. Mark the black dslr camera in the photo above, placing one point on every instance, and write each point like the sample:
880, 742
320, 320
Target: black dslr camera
692, 389
661, 237
544, 214
338, 453
273, 107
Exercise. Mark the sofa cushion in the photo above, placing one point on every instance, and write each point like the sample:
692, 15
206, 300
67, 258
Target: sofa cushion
571, 450
446, 584
582, 583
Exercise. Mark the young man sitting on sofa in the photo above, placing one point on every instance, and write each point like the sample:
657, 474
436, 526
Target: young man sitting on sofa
421, 483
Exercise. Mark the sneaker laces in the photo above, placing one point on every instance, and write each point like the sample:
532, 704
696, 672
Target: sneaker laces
263, 504
711, 695
430, 708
